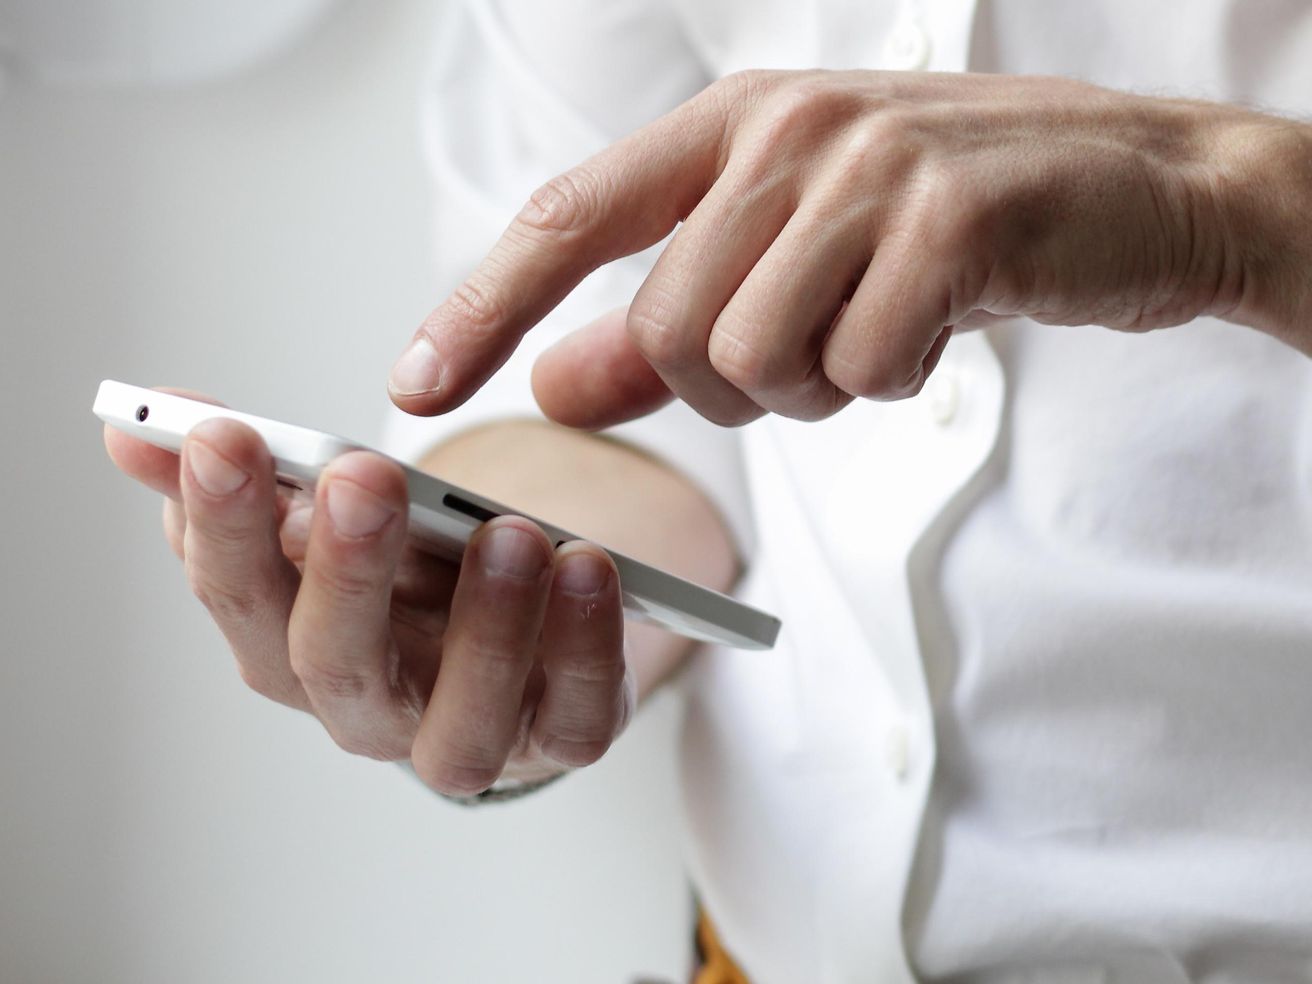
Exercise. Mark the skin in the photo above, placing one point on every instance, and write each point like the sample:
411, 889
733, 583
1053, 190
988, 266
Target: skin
329, 610
833, 230
834, 227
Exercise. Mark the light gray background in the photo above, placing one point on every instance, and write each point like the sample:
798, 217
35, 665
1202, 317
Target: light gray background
262, 237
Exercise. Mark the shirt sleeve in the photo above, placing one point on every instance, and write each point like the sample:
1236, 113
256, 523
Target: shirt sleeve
500, 116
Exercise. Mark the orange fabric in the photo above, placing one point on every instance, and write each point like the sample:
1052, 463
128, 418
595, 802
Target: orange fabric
717, 966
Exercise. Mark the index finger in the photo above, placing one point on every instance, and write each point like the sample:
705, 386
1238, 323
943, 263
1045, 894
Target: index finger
618, 202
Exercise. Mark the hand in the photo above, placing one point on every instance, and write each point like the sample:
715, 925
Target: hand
836, 226
511, 663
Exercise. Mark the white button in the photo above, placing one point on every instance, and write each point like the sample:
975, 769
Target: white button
907, 47
897, 750
944, 397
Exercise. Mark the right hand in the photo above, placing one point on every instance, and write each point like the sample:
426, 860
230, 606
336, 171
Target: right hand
510, 663
833, 228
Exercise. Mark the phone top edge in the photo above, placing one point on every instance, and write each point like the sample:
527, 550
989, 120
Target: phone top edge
116, 403
651, 593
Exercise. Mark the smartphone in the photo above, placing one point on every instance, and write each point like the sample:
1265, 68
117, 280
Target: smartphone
442, 515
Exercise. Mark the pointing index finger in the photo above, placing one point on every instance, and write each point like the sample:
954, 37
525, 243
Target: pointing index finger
618, 202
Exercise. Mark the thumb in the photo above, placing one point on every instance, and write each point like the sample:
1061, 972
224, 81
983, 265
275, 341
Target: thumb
595, 377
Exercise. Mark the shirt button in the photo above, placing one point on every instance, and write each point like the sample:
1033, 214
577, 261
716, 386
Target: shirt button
897, 750
907, 47
944, 398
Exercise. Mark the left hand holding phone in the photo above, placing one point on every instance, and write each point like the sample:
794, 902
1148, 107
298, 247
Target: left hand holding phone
510, 664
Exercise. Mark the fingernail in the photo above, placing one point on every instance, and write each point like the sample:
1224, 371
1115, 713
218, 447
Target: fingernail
213, 472
513, 553
582, 574
354, 510
418, 370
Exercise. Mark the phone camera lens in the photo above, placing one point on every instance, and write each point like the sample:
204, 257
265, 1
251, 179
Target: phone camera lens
143, 412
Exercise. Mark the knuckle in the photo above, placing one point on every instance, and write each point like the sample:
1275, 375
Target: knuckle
909, 384
779, 129
792, 106
884, 143
739, 415
593, 667
228, 603
791, 113
743, 80
327, 680
890, 131
870, 379
658, 334
746, 366
477, 305
221, 538
496, 656
371, 746
579, 738
575, 751
565, 204
822, 409
279, 687
737, 89
259, 680
344, 585
814, 398
452, 778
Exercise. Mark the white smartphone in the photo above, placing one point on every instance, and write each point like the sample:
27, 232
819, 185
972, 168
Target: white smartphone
442, 515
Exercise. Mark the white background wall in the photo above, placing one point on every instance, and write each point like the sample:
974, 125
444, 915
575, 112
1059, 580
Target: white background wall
261, 237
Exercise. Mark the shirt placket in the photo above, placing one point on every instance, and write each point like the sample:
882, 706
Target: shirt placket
947, 433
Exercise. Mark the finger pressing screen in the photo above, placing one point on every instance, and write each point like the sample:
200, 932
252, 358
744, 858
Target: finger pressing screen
624, 199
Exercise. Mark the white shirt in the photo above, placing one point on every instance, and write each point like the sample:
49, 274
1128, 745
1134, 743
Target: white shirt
1040, 711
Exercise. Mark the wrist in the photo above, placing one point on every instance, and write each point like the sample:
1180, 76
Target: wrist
1261, 177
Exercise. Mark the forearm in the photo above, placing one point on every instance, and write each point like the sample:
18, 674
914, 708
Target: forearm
607, 492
